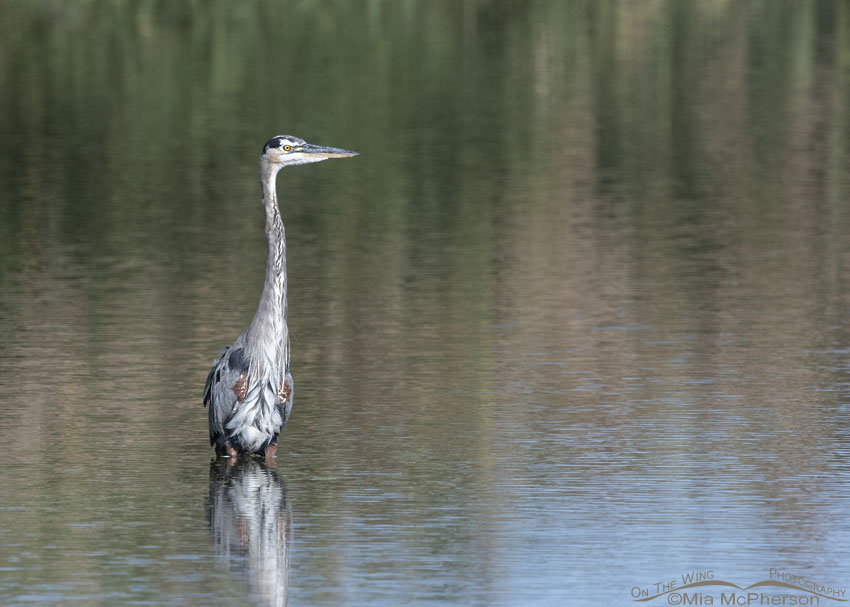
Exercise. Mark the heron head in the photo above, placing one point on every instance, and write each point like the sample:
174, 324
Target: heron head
286, 150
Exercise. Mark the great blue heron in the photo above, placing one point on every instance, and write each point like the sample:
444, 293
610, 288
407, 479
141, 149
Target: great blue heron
249, 388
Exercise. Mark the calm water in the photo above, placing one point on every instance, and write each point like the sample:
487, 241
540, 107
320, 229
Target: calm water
576, 321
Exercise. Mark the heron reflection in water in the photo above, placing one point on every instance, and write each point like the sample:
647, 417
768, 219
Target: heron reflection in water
249, 388
250, 522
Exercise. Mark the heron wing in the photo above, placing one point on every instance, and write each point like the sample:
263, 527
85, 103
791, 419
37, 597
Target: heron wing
226, 386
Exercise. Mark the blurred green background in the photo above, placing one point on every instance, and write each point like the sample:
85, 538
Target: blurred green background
575, 318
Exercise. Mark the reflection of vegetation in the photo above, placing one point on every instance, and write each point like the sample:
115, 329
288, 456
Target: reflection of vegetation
529, 171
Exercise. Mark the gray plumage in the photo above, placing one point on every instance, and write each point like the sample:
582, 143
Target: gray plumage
249, 389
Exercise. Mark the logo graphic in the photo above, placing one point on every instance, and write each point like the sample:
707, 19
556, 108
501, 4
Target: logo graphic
702, 588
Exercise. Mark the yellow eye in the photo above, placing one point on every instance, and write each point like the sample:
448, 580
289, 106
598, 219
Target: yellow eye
287, 147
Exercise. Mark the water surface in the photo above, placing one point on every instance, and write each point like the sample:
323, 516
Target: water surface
574, 322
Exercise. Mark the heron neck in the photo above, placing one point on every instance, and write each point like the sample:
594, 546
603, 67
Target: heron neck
273, 304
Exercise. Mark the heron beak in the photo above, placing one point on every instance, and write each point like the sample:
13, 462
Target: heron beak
323, 152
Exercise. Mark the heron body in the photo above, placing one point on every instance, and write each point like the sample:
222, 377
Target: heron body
249, 389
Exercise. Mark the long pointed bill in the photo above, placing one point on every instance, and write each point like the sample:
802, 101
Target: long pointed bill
322, 152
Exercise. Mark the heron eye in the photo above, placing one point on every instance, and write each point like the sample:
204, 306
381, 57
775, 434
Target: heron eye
287, 147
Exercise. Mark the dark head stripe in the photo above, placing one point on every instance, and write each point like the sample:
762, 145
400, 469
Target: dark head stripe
278, 141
